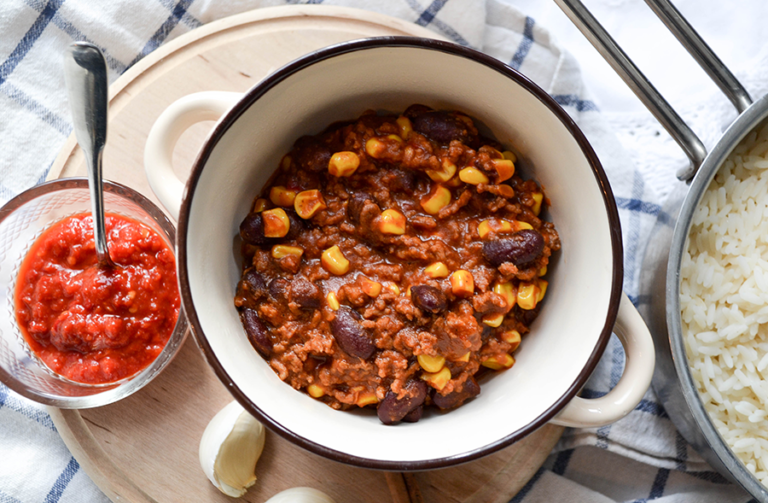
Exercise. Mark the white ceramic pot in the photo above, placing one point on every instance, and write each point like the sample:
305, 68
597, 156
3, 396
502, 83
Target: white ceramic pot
583, 303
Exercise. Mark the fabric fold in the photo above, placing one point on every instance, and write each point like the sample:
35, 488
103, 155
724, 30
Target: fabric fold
640, 456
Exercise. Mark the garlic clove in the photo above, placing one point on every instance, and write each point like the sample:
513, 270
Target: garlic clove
229, 449
300, 495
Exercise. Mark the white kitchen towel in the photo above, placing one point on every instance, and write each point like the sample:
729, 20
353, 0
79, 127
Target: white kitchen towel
640, 458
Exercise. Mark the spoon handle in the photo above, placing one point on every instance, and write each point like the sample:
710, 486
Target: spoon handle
85, 74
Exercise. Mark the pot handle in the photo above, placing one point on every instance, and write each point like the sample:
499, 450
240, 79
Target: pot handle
651, 98
617, 403
166, 131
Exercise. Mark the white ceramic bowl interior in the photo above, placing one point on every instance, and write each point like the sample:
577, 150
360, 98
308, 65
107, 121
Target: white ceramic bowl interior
573, 317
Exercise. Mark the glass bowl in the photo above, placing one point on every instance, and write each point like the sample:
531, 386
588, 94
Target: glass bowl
22, 220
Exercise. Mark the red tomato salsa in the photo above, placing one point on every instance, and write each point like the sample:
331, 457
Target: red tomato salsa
90, 324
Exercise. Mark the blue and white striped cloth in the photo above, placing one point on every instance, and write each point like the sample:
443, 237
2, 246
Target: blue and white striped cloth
639, 458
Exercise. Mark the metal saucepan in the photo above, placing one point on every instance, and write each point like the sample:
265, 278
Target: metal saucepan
672, 379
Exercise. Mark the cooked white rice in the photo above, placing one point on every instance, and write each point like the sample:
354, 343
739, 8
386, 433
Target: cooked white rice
724, 301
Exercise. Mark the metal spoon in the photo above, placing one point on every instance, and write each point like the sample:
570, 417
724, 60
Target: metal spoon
85, 74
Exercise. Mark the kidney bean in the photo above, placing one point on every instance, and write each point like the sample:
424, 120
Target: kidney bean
257, 332
470, 390
392, 410
297, 224
355, 205
416, 109
414, 415
523, 247
363, 211
428, 298
306, 294
487, 332
350, 334
252, 284
441, 126
278, 288
526, 316
311, 153
252, 230
404, 181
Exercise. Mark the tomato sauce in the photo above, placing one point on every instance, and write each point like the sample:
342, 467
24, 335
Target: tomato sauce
91, 324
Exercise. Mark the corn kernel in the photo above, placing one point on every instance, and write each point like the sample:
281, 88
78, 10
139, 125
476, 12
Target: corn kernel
526, 296
504, 168
437, 270
375, 148
542, 271
454, 182
444, 174
280, 251
431, 363
392, 287
276, 223
392, 222
472, 176
541, 287
286, 162
538, 197
315, 391
507, 154
465, 357
511, 337
508, 291
343, 164
369, 287
437, 380
522, 225
498, 363
260, 205
367, 398
506, 191
280, 196
333, 301
308, 203
334, 261
435, 201
493, 320
497, 226
462, 283
395, 138
405, 126
492, 152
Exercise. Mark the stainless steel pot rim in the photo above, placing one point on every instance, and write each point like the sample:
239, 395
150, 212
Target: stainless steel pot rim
673, 381
736, 132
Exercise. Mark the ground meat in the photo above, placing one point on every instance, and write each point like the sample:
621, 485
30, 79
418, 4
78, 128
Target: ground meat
391, 258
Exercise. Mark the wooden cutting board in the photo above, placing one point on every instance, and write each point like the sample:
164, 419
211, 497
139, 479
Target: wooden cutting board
144, 448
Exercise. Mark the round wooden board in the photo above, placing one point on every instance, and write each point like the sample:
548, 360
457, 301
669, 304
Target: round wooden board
144, 448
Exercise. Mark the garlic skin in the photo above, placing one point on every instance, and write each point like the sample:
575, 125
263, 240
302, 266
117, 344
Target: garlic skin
301, 495
229, 449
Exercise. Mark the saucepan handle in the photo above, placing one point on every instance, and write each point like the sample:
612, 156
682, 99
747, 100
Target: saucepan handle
638, 370
701, 52
640, 85
166, 131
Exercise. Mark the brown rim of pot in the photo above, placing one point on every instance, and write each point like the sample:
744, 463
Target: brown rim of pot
419, 43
